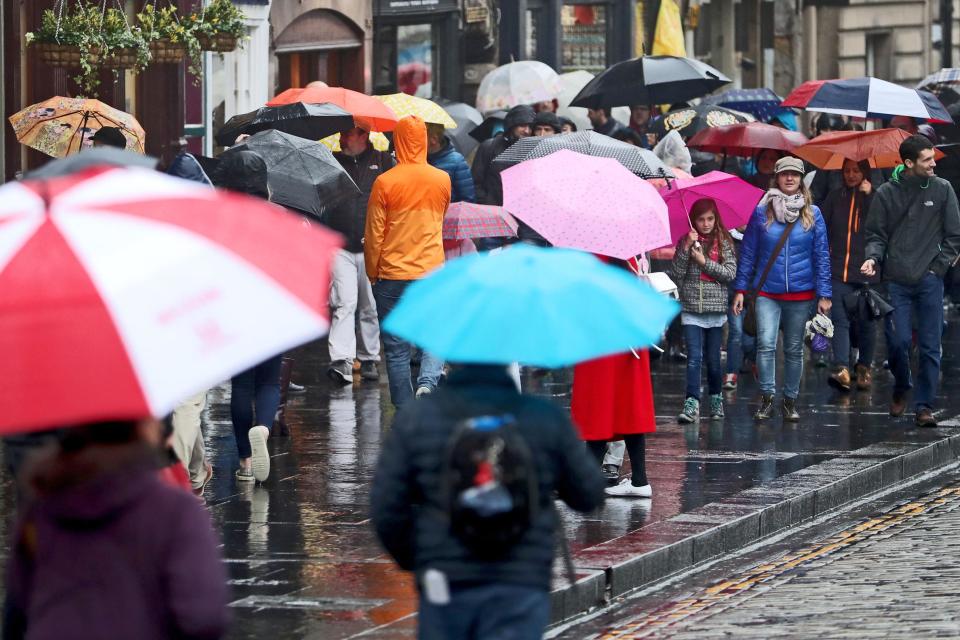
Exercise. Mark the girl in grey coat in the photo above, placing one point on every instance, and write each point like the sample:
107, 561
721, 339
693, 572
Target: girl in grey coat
703, 265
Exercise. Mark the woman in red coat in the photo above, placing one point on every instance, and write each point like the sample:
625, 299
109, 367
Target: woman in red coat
613, 400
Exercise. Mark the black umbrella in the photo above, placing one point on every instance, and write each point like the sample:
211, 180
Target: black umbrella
302, 174
690, 120
313, 121
490, 125
650, 80
590, 143
467, 118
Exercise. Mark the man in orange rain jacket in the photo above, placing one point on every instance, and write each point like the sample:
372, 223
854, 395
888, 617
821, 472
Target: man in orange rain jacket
404, 242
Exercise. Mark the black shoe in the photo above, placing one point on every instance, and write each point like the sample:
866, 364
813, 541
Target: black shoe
368, 370
765, 412
925, 418
789, 410
341, 372
611, 473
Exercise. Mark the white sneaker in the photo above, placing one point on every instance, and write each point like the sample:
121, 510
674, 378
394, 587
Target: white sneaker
259, 457
423, 391
626, 490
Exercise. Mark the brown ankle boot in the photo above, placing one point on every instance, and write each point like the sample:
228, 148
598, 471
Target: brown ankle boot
864, 377
840, 380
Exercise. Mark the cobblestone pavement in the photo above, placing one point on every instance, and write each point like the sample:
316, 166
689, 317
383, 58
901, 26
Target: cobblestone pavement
893, 575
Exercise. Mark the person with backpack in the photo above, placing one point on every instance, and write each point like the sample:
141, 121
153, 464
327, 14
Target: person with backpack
463, 496
703, 265
913, 237
785, 266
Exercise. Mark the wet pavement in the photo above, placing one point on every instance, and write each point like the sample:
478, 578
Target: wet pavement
303, 559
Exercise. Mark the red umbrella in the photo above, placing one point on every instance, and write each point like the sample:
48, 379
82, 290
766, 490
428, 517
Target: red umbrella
124, 291
367, 110
746, 139
881, 148
468, 220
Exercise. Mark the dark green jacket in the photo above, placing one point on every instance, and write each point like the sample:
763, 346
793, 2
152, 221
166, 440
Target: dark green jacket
913, 227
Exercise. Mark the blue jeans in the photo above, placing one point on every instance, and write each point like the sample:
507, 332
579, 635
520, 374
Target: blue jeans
396, 351
922, 302
703, 345
486, 612
739, 344
773, 315
255, 391
844, 327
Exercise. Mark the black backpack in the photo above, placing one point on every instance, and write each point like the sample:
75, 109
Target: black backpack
490, 484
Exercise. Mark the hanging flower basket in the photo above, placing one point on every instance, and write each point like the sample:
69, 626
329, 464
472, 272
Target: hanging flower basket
165, 51
123, 58
58, 55
219, 43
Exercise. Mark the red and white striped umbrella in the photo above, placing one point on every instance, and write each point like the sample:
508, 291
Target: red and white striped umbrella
123, 291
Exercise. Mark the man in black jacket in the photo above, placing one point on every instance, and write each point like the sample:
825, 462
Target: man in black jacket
517, 124
913, 237
350, 293
461, 595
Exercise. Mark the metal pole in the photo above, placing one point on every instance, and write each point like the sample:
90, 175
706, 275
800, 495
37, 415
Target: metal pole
946, 38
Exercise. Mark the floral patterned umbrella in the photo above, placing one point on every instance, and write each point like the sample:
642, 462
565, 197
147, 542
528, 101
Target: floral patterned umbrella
61, 126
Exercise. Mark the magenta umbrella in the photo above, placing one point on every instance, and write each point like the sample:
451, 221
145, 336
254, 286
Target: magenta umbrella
587, 203
735, 200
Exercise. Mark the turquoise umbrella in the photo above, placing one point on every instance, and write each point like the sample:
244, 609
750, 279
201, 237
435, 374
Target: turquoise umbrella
541, 307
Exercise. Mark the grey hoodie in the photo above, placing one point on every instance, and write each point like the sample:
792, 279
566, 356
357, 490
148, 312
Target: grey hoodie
913, 227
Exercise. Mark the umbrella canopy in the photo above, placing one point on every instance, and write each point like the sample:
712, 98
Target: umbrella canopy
468, 220
93, 157
524, 82
61, 126
312, 121
690, 120
467, 119
124, 291
427, 110
302, 174
941, 81
366, 110
570, 85
587, 203
735, 200
746, 139
541, 307
650, 80
377, 139
638, 161
867, 98
880, 147
762, 104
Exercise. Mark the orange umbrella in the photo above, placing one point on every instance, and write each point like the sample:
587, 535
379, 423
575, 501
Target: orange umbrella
366, 110
880, 147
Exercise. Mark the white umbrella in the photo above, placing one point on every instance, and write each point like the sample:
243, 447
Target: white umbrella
524, 82
570, 85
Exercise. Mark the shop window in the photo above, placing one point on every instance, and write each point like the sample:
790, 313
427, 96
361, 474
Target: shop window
531, 46
415, 70
584, 37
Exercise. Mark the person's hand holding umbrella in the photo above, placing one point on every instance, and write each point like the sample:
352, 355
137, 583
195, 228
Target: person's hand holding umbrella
866, 188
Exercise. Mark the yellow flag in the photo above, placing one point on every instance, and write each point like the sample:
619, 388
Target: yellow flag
668, 38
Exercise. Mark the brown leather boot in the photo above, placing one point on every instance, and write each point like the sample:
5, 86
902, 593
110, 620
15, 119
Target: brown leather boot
840, 380
898, 404
864, 377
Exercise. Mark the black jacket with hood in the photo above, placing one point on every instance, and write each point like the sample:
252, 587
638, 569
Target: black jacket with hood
845, 212
913, 227
407, 498
350, 217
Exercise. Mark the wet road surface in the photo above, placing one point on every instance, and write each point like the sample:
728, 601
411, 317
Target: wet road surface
303, 559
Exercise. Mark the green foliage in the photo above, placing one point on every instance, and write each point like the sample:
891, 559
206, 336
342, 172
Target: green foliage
220, 17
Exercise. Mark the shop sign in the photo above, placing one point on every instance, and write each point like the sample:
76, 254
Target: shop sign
395, 7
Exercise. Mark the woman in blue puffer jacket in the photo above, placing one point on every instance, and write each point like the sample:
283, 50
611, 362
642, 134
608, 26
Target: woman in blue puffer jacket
800, 275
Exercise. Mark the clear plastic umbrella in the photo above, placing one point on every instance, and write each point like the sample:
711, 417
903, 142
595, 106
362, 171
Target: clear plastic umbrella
524, 82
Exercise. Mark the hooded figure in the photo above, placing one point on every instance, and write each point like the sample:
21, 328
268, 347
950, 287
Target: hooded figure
404, 231
403, 243
486, 178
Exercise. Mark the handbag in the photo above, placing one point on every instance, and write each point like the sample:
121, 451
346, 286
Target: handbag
750, 300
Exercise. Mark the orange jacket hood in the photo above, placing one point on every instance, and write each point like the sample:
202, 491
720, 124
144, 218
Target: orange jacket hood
410, 141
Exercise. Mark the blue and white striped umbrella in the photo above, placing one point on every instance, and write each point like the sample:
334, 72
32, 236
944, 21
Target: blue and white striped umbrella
867, 98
